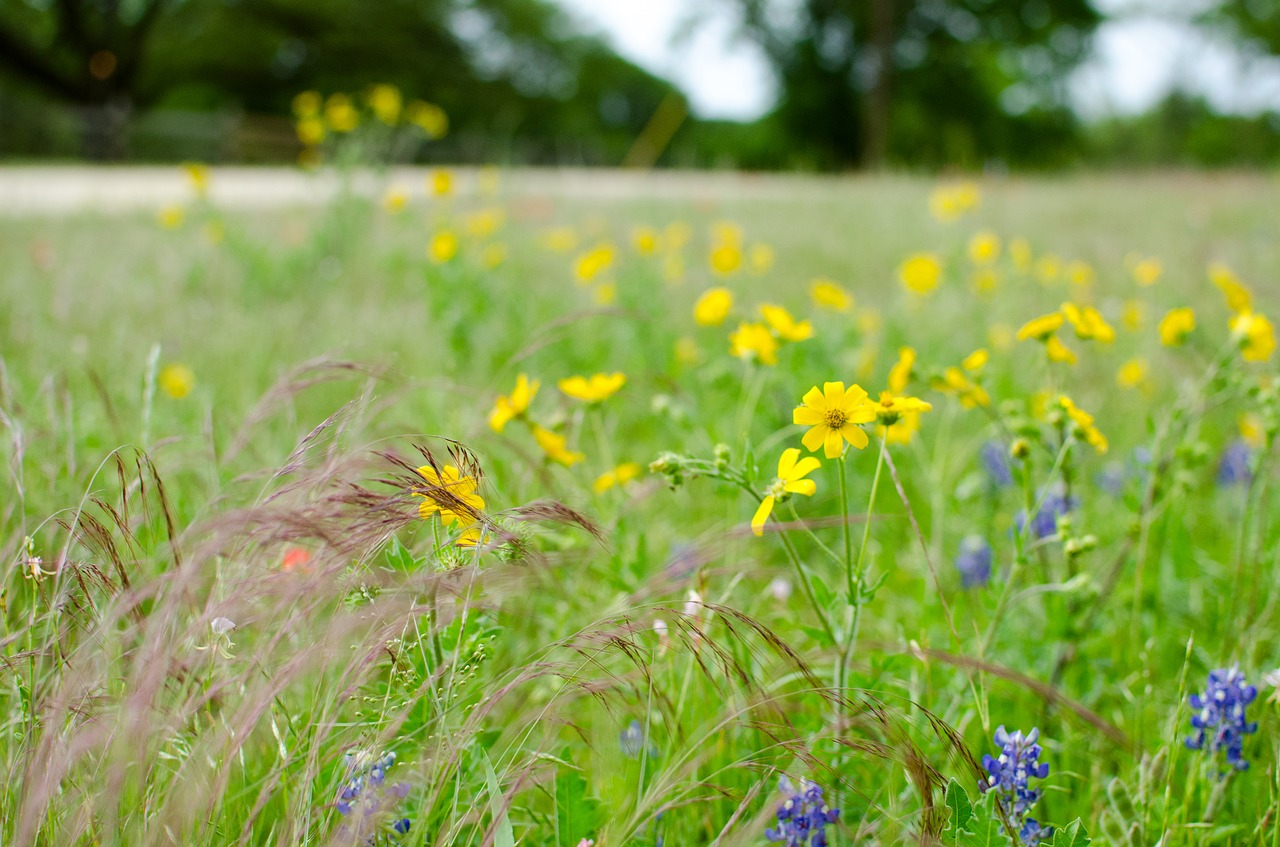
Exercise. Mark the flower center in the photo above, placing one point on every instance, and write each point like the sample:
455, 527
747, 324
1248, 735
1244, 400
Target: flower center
836, 418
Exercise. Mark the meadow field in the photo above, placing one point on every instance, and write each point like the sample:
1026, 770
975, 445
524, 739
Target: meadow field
463, 510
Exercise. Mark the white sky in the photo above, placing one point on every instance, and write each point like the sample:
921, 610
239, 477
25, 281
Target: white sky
1137, 61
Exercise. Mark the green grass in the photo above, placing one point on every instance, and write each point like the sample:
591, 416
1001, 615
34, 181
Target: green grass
327, 351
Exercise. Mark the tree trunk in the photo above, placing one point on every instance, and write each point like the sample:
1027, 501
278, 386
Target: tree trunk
879, 101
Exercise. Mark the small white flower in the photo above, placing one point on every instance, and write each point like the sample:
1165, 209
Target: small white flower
221, 626
780, 589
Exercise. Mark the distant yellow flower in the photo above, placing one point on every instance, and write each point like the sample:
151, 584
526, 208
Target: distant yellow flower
645, 240
213, 232
784, 325
1255, 334
605, 293
1020, 254
890, 409
1132, 374
676, 235
950, 202
594, 389
339, 113
620, 475
687, 351
869, 321
901, 432
673, 268
1177, 325
593, 263
494, 255
306, 104
386, 102
1252, 430
1088, 323
753, 340
450, 495
553, 444
1132, 315
198, 176
443, 247
560, 240
985, 280
507, 408
311, 131
920, 273
792, 471
953, 380
489, 180
1048, 268
440, 183
976, 361
171, 217
1059, 352
1080, 273
832, 415
176, 380
1041, 328
485, 222
395, 200
827, 294
1000, 336
726, 232
984, 248
713, 307
761, 258
1239, 297
725, 258
1147, 271
429, 117
901, 372
1084, 421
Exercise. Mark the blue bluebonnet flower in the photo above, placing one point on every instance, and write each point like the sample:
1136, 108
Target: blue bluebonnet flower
995, 461
633, 741
1010, 774
1234, 466
803, 816
973, 560
1054, 504
1220, 718
366, 794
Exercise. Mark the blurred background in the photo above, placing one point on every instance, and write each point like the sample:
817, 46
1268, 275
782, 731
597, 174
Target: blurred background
756, 84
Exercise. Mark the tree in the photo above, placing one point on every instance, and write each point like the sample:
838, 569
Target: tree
922, 81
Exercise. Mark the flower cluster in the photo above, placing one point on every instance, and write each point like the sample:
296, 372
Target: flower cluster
803, 816
1220, 719
973, 561
366, 794
1010, 774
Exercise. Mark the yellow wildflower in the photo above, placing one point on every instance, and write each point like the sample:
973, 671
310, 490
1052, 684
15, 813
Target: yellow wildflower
494, 256
1048, 269
1132, 374
754, 340
1147, 271
386, 102
1239, 297
645, 240
985, 280
620, 475
440, 183
394, 200
1084, 421
976, 361
954, 381
429, 117
592, 263
676, 235
1255, 334
507, 408
761, 258
560, 240
792, 471
869, 321
171, 217
673, 268
1088, 323
832, 415
687, 351
1000, 336
1132, 315
605, 293
901, 432
1059, 352
443, 247
1177, 325
1081, 273
725, 258
450, 495
827, 294
553, 444
176, 380
306, 104
949, 202
901, 372
1252, 430
311, 131
485, 222
198, 176
1020, 254
713, 307
890, 409
984, 248
786, 327
920, 273
594, 389
339, 114
1041, 328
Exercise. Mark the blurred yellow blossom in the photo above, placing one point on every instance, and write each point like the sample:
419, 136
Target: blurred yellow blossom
494, 255
553, 444
443, 247
761, 258
687, 351
950, 202
753, 340
1255, 334
676, 235
1176, 325
1000, 336
1147, 271
176, 380
1059, 352
171, 217
594, 389
1132, 315
440, 183
784, 325
890, 407
386, 102
508, 407
725, 258
953, 380
645, 240
976, 361
395, 199
984, 248
605, 293
901, 372
1084, 422
985, 280
1048, 268
592, 263
485, 222
713, 307
827, 294
560, 240
1239, 297
307, 104
340, 114
1081, 274
620, 475
1252, 430
429, 117
1132, 374
311, 131
1088, 323
1020, 254
198, 176
1041, 328
920, 273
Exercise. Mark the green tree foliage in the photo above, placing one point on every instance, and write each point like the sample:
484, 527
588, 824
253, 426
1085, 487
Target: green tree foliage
932, 82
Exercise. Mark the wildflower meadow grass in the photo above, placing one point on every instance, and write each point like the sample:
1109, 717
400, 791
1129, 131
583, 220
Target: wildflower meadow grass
820, 512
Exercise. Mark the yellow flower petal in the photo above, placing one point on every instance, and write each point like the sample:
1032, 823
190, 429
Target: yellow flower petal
761, 515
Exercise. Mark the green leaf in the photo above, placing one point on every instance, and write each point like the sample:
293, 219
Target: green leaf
960, 806
503, 834
399, 558
1071, 835
577, 815
985, 829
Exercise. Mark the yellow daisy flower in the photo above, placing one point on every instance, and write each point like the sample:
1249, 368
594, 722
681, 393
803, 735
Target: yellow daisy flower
890, 409
1042, 327
505, 409
1256, 336
792, 471
1084, 421
450, 495
553, 444
593, 389
832, 415
620, 475
176, 380
713, 307
753, 340
827, 294
1176, 325
920, 273
900, 373
786, 327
